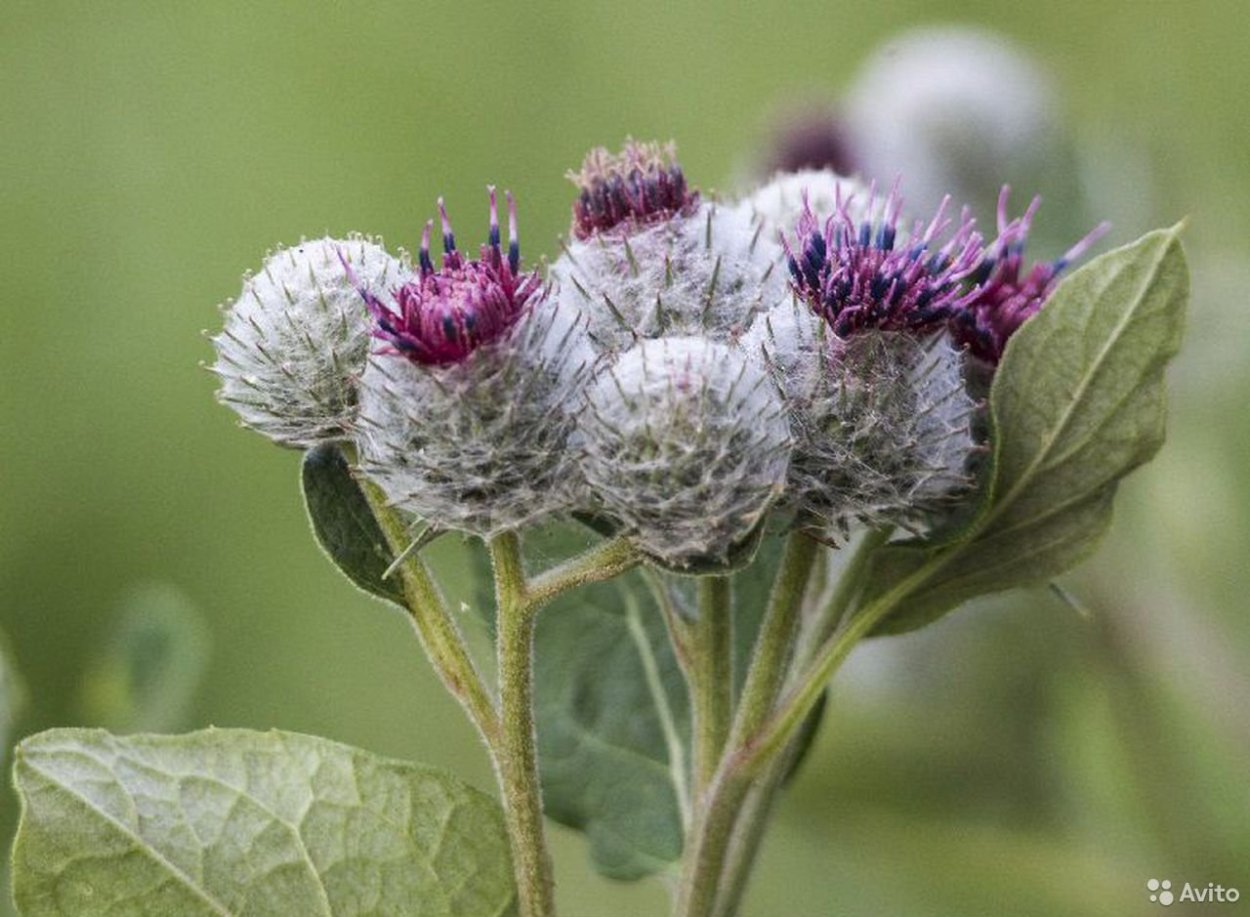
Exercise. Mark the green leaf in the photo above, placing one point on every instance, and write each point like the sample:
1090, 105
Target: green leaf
344, 524
1077, 403
612, 708
143, 677
230, 821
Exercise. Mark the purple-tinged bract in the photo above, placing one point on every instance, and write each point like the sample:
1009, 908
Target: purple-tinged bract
1004, 300
439, 317
865, 276
641, 184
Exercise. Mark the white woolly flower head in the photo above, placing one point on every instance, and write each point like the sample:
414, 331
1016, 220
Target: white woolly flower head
465, 414
685, 444
708, 272
295, 340
885, 437
480, 445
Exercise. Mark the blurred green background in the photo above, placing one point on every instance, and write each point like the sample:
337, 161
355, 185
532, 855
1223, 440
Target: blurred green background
1015, 759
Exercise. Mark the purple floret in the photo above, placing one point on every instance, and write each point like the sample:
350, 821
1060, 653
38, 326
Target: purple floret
641, 184
442, 316
861, 277
1004, 299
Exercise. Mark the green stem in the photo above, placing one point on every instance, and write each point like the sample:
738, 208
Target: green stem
516, 753
748, 834
713, 831
850, 582
781, 727
438, 632
711, 674
707, 842
775, 643
602, 562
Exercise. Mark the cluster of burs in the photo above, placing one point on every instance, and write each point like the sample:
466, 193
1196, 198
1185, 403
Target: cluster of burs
671, 376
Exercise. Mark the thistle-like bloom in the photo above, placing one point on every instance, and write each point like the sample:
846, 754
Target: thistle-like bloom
641, 184
864, 276
468, 429
442, 316
1004, 300
295, 341
673, 264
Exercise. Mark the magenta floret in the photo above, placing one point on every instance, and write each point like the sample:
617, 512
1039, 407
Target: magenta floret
641, 184
1004, 300
860, 277
439, 317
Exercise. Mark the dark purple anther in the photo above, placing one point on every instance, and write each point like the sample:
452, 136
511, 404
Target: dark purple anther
440, 317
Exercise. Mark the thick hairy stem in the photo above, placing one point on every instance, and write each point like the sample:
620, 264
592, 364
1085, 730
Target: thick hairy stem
516, 753
437, 630
711, 676
709, 841
748, 834
794, 707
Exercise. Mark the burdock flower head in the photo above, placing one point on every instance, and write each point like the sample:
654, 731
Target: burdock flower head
1004, 300
641, 184
466, 407
685, 444
650, 258
295, 341
875, 391
860, 275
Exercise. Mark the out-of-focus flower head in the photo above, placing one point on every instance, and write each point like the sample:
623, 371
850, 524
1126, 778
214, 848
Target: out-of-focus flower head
957, 110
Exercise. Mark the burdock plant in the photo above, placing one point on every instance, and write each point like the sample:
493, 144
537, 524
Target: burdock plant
752, 433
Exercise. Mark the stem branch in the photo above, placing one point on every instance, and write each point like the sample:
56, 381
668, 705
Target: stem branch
602, 562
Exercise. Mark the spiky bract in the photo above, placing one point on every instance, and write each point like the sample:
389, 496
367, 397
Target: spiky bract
685, 443
884, 436
707, 273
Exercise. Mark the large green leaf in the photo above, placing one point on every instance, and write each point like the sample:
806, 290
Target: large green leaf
612, 707
344, 524
1076, 404
143, 677
227, 822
